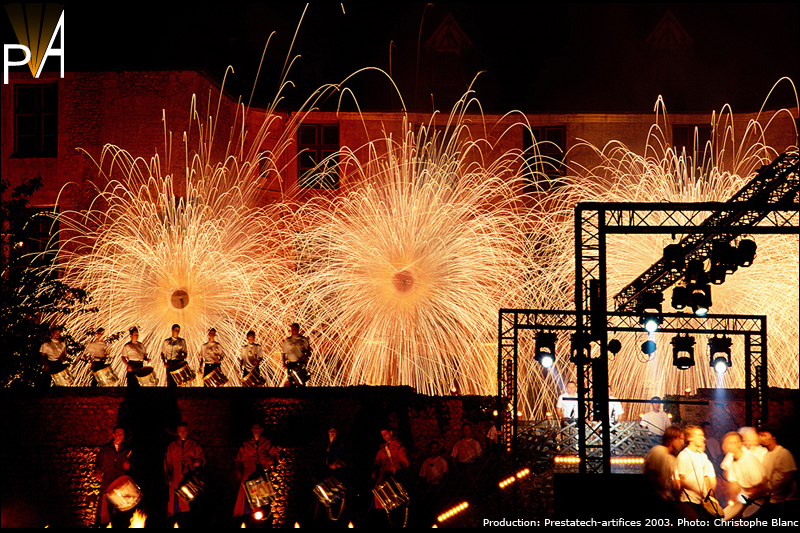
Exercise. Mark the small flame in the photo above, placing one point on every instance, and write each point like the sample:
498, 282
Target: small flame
296, 524
138, 519
350, 525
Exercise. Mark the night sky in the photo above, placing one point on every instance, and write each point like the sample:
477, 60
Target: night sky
565, 57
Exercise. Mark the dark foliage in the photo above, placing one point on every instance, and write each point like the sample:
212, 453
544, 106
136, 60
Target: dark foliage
33, 297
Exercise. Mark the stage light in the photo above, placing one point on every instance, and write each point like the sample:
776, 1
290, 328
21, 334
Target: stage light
746, 252
648, 347
701, 299
650, 307
724, 257
717, 274
719, 349
674, 258
579, 347
695, 273
651, 323
683, 352
545, 348
681, 297
453, 511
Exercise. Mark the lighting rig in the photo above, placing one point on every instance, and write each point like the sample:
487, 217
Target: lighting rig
545, 348
683, 351
719, 350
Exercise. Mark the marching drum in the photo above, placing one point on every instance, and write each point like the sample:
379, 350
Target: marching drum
183, 375
329, 491
190, 487
63, 378
253, 380
146, 377
259, 491
106, 377
391, 494
754, 506
298, 375
215, 378
124, 493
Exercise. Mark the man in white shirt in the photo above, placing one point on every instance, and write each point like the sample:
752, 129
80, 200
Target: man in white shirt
211, 353
251, 355
696, 475
54, 352
134, 355
296, 350
467, 448
568, 404
781, 472
745, 473
435, 466
655, 421
173, 354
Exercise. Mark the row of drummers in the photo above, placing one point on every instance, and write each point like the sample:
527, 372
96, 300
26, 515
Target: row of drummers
184, 464
295, 350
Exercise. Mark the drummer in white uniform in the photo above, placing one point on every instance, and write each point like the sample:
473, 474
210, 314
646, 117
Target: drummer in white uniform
296, 350
97, 352
212, 354
134, 355
251, 355
173, 354
54, 352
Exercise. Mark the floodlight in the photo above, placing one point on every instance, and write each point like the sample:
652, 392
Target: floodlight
683, 351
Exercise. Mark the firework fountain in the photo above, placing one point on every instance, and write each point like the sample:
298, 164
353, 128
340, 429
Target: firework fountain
408, 270
196, 250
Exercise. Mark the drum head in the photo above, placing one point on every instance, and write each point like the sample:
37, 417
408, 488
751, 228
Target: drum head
754, 507
63, 378
124, 493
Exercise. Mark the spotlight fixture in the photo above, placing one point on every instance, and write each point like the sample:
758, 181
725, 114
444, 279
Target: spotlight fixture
674, 258
650, 307
695, 273
545, 348
717, 274
681, 297
719, 349
648, 347
746, 252
724, 256
614, 346
682, 351
701, 299
579, 347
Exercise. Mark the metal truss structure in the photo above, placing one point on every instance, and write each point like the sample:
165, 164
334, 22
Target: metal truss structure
768, 204
596, 451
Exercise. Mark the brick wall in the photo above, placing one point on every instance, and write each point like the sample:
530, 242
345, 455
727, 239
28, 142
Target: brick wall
50, 440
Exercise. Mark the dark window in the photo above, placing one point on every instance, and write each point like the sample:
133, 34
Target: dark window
35, 120
544, 153
317, 160
683, 137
